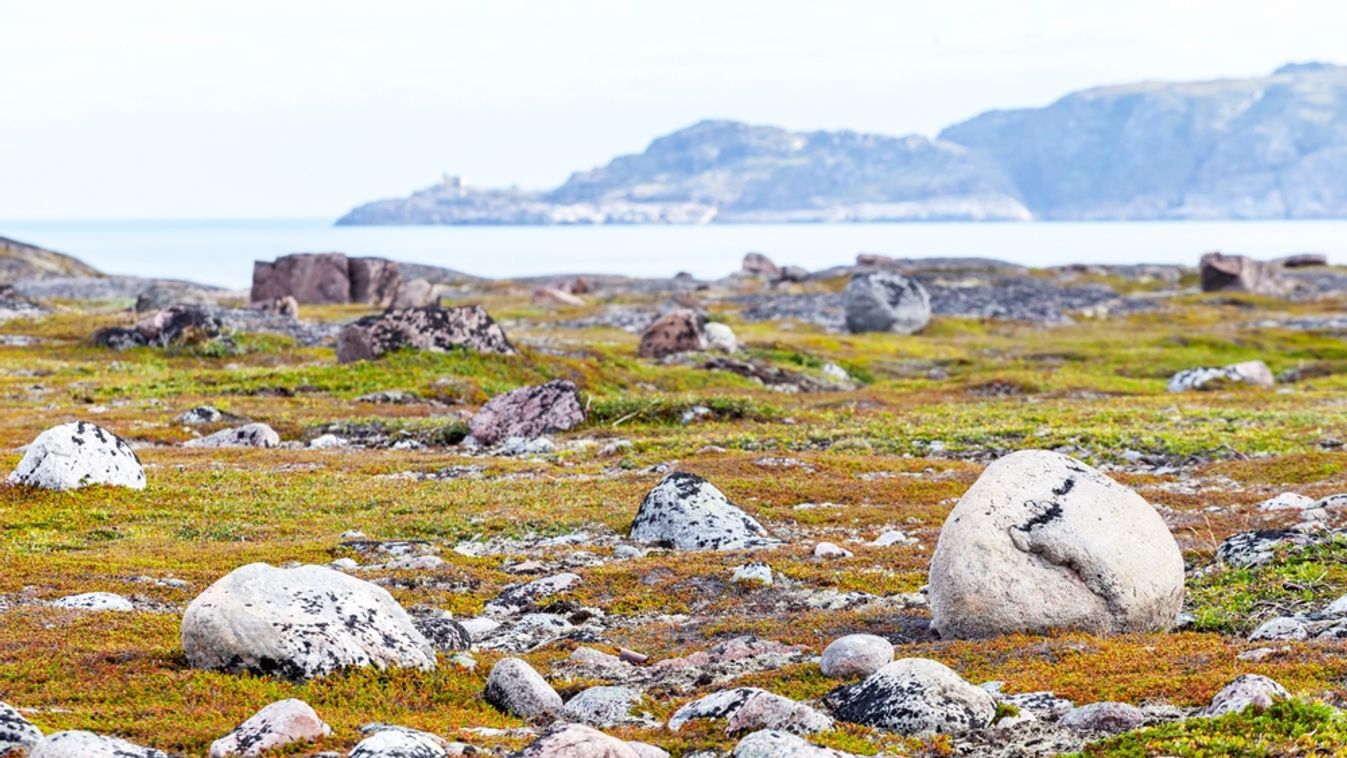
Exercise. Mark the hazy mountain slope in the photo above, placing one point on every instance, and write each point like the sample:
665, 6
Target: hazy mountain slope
1270, 147
19, 260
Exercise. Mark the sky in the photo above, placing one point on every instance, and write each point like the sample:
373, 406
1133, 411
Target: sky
163, 109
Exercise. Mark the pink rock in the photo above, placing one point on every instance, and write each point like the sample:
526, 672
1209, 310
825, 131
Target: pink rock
280, 723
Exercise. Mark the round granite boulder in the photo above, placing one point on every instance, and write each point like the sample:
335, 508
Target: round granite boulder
1043, 542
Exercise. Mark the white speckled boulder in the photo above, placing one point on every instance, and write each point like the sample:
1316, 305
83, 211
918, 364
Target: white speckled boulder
750, 708
1042, 541
248, 435
16, 732
603, 706
1255, 373
772, 743
90, 745
686, 512
299, 623
915, 696
79, 454
278, 724
514, 687
399, 742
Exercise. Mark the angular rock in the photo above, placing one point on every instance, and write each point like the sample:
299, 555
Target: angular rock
399, 742
248, 435
299, 623
576, 741
16, 732
602, 706
118, 338
522, 596
1246, 690
432, 328
180, 324
1287, 501
417, 293
79, 454
1103, 718
915, 696
856, 655
89, 745
201, 415
276, 725
773, 743
1281, 628
1239, 273
444, 633
750, 709
752, 573
325, 278
529, 412
881, 301
1041, 705
94, 601
1041, 542
514, 687
1255, 373
376, 281
686, 512
681, 331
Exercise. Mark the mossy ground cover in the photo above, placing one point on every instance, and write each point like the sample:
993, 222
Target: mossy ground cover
896, 452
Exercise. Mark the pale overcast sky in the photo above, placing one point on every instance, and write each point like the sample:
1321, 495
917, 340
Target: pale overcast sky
282, 108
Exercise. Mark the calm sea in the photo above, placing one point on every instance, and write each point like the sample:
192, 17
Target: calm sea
222, 252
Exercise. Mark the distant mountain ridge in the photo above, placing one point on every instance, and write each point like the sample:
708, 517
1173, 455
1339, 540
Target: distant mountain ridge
1268, 147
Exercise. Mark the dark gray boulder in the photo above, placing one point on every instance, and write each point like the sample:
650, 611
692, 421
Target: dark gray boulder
432, 328
882, 301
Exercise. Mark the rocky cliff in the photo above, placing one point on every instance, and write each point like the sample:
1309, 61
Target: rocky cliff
1270, 147
19, 260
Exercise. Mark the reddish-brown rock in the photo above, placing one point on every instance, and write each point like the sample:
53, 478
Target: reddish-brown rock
681, 331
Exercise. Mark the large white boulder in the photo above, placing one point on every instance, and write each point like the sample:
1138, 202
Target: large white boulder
90, 745
16, 732
79, 454
299, 623
915, 696
1042, 541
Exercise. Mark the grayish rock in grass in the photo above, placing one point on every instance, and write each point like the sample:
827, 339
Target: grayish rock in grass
79, 454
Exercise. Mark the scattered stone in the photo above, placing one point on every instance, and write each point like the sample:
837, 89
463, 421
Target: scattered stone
283, 307
477, 628
557, 296
399, 742
16, 732
182, 324
1287, 501
248, 435
520, 597
752, 573
1103, 718
1255, 373
576, 741
1046, 706
90, 745
432, 328
1246, 690
202, 415
1281, 628
328, 442
750, 708
514, 687
773, 743
856, 655
1042, 541
1238, 273
686, 512
880, 301
1249, 549
681, 331
299, 623
443, 633
389, 397
79, 454
278, 724
529, 412
829, 550
893, 537
603, 706
94, 601
721, 337
757, 264
915, 697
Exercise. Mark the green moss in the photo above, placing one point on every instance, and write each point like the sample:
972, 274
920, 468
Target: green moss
1288, 727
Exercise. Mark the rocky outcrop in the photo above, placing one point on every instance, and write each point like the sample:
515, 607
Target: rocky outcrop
432, 328
181, 324
1240, 273
79, 454
1043, 542
529, 412
326, 278
276, 725
880, 301
686, 512
20, 260
298, 624
914, 696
